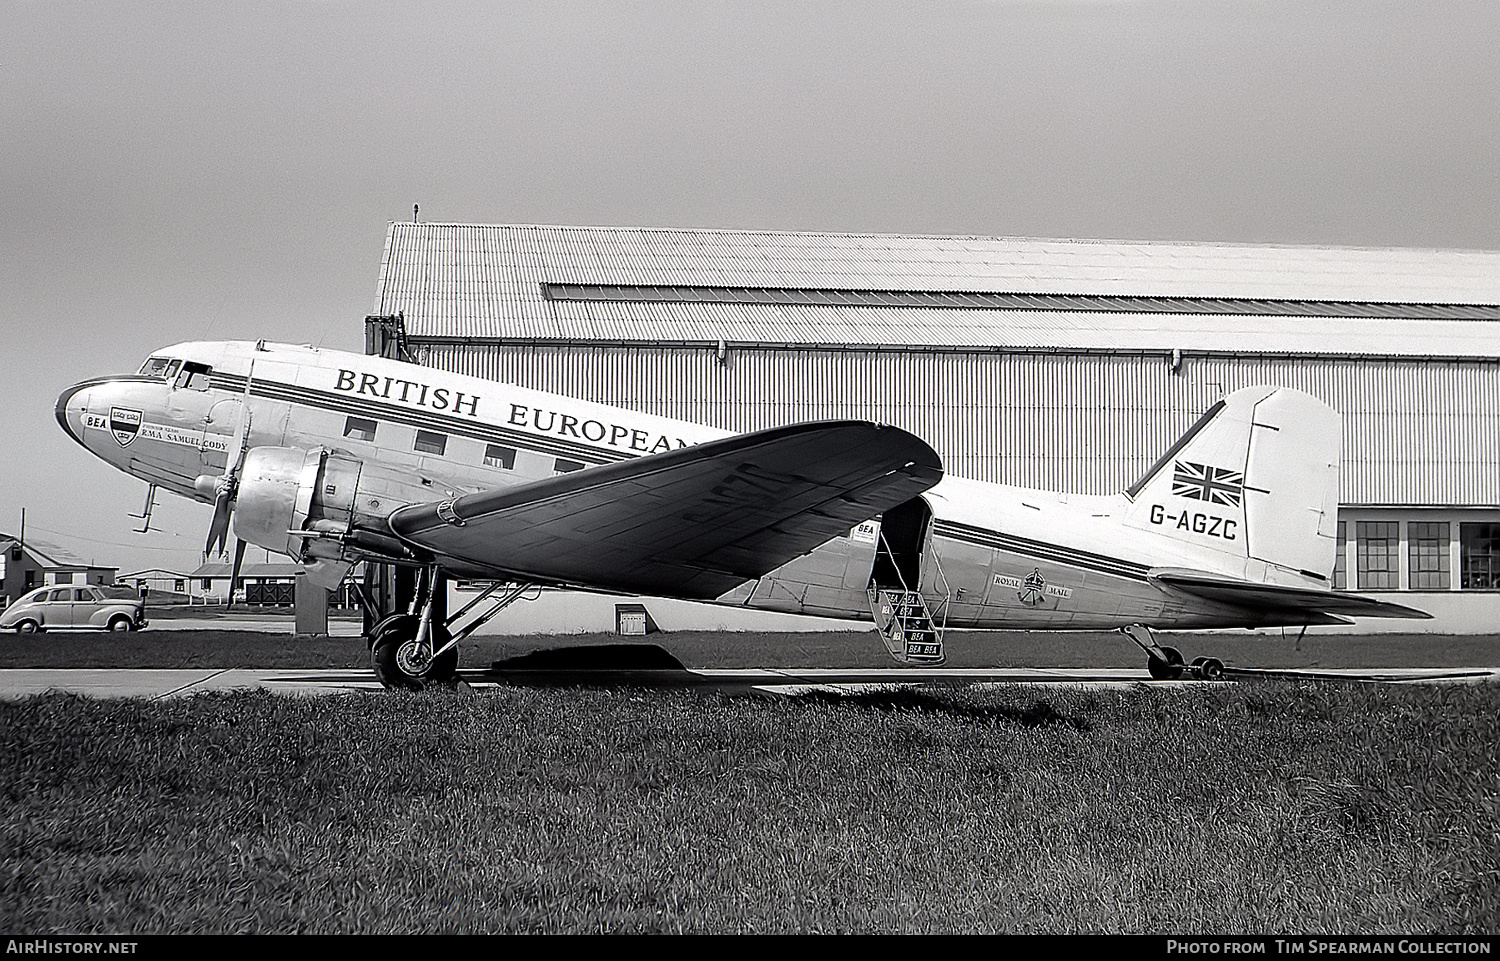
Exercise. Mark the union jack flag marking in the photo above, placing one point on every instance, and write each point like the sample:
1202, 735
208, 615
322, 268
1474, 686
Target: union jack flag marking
1212, 484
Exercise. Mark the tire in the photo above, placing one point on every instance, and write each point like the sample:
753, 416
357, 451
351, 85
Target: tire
28, 627
120, 625
396, 659
1166, 670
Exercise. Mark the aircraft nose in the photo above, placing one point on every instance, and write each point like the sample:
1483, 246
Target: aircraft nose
72, 408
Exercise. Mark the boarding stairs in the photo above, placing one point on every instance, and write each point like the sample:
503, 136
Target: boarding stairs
904, 621
912, 635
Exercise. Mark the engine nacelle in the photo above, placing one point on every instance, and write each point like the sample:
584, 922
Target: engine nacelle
340, 502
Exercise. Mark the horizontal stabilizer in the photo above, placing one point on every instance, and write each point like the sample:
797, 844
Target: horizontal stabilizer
691, 523
1279, 600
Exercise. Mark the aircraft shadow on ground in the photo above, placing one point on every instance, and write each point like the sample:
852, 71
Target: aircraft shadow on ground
594, 665
647, 665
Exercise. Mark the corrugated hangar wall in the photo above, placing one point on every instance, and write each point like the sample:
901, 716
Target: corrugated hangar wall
1416, 432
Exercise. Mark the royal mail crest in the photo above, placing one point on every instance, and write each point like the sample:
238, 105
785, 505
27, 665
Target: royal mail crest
1033, 588
125, 424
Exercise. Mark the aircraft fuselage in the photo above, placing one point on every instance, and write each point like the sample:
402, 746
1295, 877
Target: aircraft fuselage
983, 555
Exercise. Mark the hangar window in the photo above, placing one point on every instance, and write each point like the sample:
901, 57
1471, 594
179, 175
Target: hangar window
1377, 553
359, 428
1427, 556
1341, 559
1479, 556
565, 466
430, 443
497, 456
1010, 300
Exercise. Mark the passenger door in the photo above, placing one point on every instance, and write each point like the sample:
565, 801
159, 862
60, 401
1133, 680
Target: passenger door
57, 609
86, 603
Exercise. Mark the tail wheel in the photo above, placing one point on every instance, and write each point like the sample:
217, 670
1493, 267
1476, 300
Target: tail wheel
1169, 668
402, 664
1209, 668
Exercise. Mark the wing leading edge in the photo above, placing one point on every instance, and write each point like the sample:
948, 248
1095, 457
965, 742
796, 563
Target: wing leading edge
692, 523
1280, 601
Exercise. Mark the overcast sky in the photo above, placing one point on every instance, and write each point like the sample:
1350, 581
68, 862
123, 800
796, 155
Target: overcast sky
175, 171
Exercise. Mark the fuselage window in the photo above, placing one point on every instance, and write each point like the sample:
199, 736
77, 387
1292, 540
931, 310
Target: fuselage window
565, 466
193, 376
497, 456
359, 428
430, 443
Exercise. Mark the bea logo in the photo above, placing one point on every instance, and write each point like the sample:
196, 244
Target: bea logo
125, 424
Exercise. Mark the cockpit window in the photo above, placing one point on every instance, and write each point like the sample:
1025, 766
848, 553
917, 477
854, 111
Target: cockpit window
193, 376
164, 367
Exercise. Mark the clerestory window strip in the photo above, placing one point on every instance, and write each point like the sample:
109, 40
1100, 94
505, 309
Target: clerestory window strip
997, 300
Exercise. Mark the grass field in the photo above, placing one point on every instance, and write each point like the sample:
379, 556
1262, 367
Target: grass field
1253, 808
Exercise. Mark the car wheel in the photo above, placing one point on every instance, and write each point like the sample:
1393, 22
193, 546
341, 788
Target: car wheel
28, 627
120, 625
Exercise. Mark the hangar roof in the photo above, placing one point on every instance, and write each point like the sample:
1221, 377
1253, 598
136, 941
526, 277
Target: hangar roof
482, 283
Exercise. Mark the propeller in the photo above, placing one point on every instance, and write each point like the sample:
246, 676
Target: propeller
225, 487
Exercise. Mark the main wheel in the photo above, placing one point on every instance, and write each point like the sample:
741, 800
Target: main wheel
1211, 669
402, 664
1166, 670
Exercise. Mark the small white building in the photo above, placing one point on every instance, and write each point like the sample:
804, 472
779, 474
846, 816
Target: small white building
161, 586
29, 563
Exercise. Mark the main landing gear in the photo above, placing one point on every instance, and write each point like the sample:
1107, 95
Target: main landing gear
418, 648
1166, 664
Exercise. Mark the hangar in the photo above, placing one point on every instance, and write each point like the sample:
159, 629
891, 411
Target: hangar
1059, 364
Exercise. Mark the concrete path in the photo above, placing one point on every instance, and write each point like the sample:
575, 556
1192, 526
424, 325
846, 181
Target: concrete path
153, 684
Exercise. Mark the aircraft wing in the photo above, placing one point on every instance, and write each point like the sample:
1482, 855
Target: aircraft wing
1279, 599
692, 523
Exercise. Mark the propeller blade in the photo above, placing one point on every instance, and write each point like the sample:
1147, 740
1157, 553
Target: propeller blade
240, 445
229, 484
234, 571
218, 528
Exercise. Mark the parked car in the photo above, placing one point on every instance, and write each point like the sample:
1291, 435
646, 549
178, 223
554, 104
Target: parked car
85, 607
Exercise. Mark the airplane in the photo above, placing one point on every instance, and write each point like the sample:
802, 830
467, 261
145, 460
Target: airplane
334, 458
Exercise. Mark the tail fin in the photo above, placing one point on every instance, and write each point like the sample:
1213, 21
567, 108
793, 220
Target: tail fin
1256, 478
